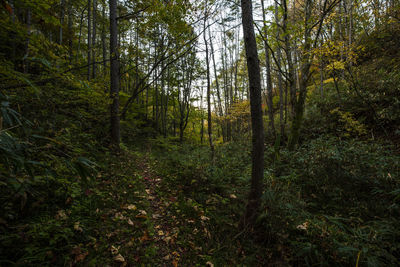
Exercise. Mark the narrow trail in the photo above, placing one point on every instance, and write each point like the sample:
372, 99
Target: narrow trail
164, 229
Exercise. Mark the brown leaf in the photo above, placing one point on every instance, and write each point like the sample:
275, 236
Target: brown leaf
145, 237
81, 256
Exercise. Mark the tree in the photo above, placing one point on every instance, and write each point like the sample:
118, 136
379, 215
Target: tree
114, 75
269, 75
257, 155
209, 119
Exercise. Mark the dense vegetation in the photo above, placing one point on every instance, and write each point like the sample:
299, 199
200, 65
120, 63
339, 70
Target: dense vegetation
127, 133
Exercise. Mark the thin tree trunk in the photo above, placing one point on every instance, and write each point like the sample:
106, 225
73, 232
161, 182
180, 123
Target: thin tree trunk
209, 118
114, 79
305, 71
89, 40
269, 77
94, 40
289, 53
80, 34
278, 63
103, 42
28, 38
62, 12
254, 199
70, 32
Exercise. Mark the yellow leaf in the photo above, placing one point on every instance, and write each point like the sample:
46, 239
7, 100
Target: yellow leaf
114, 250
77, 227
131, 207
204, 218
119, 258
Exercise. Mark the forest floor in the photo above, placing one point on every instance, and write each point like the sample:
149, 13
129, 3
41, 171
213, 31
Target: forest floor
164, 224
154, 224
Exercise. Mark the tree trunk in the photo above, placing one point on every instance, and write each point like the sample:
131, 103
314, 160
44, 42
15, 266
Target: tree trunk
62, 12
70, 32
103, 42
278, 63
94, 40
114, 77
269, 77
209, 117
305, 71
28, 38
89, 40
253, 68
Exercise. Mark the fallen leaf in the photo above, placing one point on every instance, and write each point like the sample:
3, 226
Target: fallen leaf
209, 263
147, 191
114, 250
119, 258
130, 222
233, 197
168, 257
142, 212
119, 216
81, 256
77, 227
131, 207
167, 239
61, 215
303, 226
204, 218
145, 237
160, 232
156, 216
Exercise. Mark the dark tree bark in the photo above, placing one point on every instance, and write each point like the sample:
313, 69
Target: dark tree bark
94, 40
103, 41
70, 32
62, 13
89, 40
28, 38
257, 154
279, 74
114, 75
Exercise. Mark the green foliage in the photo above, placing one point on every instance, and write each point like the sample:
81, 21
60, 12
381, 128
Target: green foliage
337, 199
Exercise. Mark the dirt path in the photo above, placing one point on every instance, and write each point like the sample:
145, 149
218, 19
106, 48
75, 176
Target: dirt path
164, 229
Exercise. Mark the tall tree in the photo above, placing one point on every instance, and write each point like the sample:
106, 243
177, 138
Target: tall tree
114, 75
269, 75
209, 118
94, 40
253, 68
89, 40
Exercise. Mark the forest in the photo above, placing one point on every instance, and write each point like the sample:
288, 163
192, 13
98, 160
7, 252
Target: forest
200, 133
